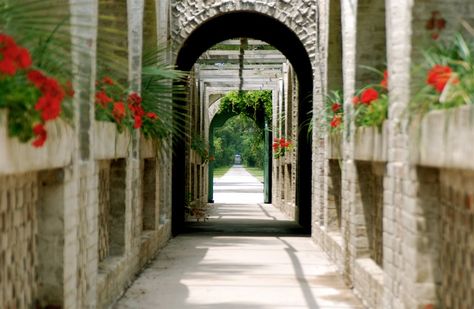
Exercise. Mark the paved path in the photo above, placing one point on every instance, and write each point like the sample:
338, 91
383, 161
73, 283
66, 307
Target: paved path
247, 256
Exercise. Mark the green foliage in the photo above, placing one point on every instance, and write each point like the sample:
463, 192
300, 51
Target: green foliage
371, 102
256, 105
43, 28
372, 115
458, 55
334, 111
239, 135
201, 147
163, 96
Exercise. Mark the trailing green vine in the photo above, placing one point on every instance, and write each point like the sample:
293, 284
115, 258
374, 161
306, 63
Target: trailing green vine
257, 104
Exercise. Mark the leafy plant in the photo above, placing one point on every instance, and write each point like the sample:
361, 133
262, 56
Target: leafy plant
256, 104
281, 146
334, 111
31, 97
446, 78
201, 147
371, 104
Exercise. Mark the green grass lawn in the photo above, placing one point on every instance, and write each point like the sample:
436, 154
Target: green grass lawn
220, 171
256, 172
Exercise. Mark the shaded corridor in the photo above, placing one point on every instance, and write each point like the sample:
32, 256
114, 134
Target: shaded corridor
248, 255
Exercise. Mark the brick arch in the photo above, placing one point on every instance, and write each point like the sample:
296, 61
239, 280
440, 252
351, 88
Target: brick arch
196, 39
297, 15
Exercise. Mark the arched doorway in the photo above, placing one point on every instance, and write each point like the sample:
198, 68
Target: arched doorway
268, 29
219, 120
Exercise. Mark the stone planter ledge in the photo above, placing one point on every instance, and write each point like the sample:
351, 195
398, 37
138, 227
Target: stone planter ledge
17, 157
371, 143
334, 143
109, 143
444, 139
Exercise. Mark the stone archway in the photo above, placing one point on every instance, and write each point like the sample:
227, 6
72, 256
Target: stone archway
218, 119
291, 36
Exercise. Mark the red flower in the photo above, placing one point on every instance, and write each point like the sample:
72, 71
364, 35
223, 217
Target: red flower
355, 100
23, 58
441, 23
6, 40
138, 122
108, 81
336, 121
102, 98
52, 89
50, 107
336, 107
41, 135
438, 77
152, 115
384, 82
134, 98
7, 67
282, 142
13, 56
435, 36
275, 145
36, 77
369, 95
119, 111
430, 24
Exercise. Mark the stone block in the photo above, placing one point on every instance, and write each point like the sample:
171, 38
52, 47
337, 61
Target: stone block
17, 157
109, 143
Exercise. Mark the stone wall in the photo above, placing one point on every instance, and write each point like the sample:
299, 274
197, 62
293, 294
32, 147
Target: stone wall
18, 250
284, 168
75, 204
401, 245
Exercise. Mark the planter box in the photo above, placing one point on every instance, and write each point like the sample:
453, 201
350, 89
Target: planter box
371, 143
17, 157
444, 138
334, 143
148, 147
108, 142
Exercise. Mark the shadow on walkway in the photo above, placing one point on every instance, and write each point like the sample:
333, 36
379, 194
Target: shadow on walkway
247, 256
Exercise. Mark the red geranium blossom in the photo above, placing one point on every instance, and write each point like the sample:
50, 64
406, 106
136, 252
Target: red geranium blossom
23, 58
108, 81
119, 111
102, 98
355, 100
336, 107
41, 135
49, 107
438, 77
336, 121
152, 115
7, 67
384, 82
138, 122
134, 98
13, 56
369, 95
36, 77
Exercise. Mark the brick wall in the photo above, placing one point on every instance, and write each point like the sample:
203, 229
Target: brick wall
18, 226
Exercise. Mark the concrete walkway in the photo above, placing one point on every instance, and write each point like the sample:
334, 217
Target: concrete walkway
247, 256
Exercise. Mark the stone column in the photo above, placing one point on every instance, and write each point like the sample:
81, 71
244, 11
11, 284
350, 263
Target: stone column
80, 196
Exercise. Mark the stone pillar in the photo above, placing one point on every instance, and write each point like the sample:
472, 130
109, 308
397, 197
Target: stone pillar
348, 173
80, 196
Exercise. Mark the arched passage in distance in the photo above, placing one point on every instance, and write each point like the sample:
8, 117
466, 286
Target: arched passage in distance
264, 124
265, 28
